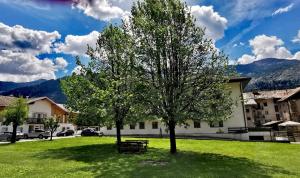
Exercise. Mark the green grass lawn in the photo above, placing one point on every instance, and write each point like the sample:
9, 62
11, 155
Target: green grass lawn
97, 157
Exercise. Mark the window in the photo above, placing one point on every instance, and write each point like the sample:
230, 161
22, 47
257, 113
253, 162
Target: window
132, 126
197, 124
39, 115
216, 124
266, 112
258, 105
247, 110
249, 118
278, 117
142, 125
276, 108
154, 125
265, 104
109, 127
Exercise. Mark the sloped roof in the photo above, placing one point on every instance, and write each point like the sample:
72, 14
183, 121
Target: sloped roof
272, 123
291, 94
31, 100
6, 100
243, 80
250, 101
289, 123
268, 94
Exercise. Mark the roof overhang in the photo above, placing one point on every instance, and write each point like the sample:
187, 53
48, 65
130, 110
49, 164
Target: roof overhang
48, 99
243, 80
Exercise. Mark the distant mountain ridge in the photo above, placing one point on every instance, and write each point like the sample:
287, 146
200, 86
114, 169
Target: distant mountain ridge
7, 86
266, 74
271, 73
49, 88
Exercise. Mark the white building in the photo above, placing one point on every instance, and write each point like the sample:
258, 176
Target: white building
39, 108
233, 128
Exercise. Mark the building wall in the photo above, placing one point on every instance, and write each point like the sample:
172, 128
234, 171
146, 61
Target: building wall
263, 112
284, 111
40, 106
249, 114
237, 120
59, 114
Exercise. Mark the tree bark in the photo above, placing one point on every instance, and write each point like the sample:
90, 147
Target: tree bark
51, 135
118, 129
173, 149
14, 133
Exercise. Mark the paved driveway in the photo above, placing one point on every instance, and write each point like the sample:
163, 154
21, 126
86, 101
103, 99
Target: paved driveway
36, 139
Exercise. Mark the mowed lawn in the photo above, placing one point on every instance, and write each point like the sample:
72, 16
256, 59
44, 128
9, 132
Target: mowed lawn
97, 157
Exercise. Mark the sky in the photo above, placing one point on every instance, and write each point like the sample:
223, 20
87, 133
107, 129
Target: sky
39, 39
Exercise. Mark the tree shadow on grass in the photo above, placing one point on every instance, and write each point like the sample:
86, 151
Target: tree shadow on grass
104, 161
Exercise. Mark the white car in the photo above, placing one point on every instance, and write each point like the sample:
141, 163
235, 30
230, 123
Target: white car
37, 134
6, 136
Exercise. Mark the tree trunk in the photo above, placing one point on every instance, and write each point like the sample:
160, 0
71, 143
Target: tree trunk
118, 128
51, 134
14, 133
173, 149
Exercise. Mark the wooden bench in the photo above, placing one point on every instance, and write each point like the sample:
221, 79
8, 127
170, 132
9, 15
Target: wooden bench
133, 146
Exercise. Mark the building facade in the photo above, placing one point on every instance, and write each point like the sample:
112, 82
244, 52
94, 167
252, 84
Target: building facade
233, 128
277, 105
39, 109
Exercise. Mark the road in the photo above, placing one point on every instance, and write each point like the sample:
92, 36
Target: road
36, 139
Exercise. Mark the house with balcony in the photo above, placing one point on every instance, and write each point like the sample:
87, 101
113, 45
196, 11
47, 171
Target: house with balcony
39, 109
276, 105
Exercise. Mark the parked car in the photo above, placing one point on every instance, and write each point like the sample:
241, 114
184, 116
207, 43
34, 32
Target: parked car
6, 136
37, 134
90, 132
65, 133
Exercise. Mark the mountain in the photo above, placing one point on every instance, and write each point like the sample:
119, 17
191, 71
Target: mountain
271, 74
7, 86
49, 88
266, 74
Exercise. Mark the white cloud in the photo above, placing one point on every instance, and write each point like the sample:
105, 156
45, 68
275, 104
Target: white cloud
101, 9
77, 45
24, 67
19, 47
297, 38
117, 9
61, 63
18, 38
267, 47
246, 59
238, 44
297, 55
283, 9
211, 20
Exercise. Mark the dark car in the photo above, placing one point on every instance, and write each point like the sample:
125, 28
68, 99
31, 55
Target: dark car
90, 132
65, 133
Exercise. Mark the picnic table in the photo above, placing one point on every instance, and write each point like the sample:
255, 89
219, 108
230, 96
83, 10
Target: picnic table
134, 146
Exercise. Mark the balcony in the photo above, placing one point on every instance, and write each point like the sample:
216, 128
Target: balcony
35, 121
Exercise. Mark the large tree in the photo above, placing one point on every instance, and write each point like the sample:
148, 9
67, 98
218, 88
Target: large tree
85, 99
15, 113
107, 83
184, 75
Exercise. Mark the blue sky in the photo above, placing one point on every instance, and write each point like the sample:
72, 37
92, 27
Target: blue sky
39, 38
